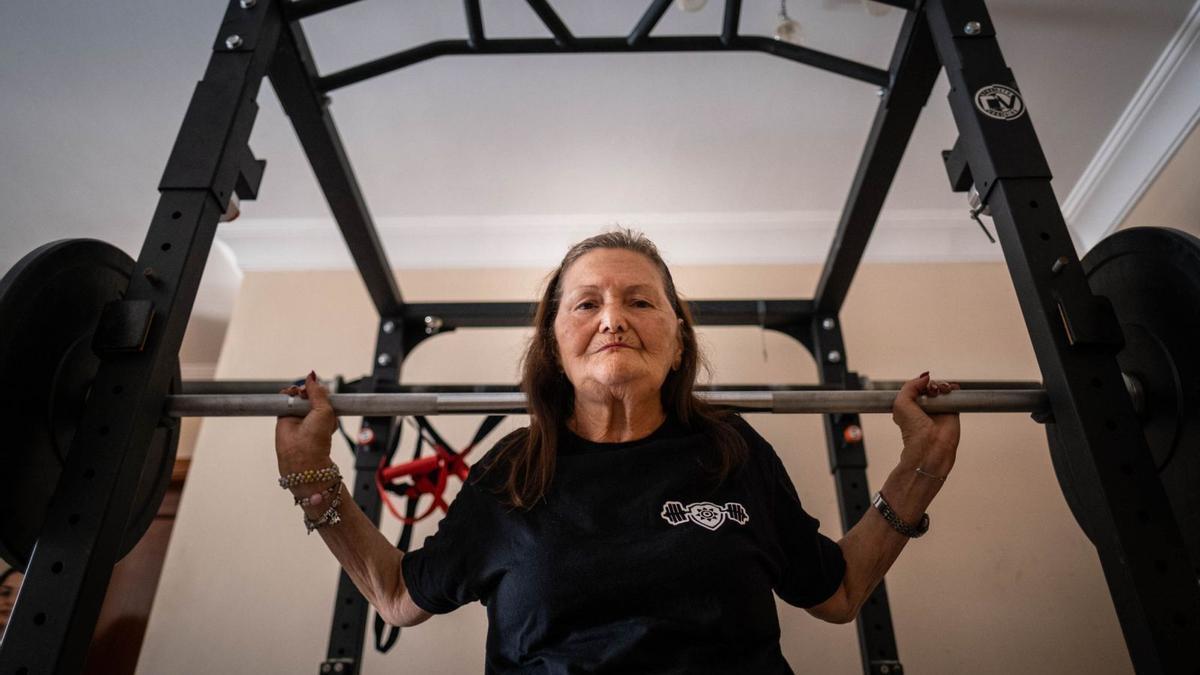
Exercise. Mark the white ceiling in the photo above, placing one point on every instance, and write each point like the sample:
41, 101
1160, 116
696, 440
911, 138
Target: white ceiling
92, 95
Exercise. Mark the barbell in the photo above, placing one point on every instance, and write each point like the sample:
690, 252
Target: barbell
780, 402
53, 299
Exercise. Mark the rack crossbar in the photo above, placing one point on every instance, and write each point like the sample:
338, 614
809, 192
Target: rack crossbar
594, 45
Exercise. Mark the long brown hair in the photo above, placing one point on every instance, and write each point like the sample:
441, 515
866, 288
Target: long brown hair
530, 457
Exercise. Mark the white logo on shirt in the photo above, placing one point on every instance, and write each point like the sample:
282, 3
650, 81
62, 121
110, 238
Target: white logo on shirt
705, 514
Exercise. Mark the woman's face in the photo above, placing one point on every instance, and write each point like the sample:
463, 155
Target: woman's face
8, 597
615, 326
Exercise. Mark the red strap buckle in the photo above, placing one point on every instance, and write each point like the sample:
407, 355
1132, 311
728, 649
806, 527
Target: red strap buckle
429, 477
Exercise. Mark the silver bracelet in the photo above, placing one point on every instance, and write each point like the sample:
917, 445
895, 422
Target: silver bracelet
316, 498
330, 517
923, 472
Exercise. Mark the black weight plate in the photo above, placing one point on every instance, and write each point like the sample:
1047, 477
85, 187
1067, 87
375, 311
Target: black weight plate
1082, 504
155, 479
1152, 278
50, 303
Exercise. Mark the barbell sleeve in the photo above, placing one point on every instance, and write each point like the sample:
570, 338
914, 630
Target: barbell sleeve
783, 402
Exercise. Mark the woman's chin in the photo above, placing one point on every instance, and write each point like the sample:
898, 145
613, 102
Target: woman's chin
622, 379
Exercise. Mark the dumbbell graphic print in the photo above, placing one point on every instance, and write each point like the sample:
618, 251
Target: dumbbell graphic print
708, 515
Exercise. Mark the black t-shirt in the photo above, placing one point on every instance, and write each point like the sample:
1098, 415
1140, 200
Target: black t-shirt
636, 562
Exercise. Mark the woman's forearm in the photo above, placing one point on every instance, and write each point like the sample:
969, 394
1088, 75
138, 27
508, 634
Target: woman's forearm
872, 545
369, 559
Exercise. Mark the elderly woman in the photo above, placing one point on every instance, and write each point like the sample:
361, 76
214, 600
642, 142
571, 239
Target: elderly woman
10, 583
631, 527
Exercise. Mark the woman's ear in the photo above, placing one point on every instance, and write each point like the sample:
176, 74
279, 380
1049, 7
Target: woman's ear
555, 356
678, 353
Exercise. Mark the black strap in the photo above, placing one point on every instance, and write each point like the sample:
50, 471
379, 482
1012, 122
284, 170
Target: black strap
489, 423
426, 427
384, 643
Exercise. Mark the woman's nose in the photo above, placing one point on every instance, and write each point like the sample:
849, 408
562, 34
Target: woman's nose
612, 319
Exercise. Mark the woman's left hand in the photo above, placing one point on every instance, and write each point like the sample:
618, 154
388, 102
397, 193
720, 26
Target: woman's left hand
930, 441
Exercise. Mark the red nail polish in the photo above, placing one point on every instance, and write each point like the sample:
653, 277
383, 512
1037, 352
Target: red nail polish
312, 375
923, 374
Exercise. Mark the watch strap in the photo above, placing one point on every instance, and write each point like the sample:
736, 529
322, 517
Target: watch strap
911, 531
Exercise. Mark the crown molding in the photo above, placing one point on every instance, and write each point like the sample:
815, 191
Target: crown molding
1157, 120
755, 238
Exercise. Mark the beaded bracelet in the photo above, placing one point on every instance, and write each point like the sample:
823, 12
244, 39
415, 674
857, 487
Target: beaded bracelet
317, 498
330, 517
291, 480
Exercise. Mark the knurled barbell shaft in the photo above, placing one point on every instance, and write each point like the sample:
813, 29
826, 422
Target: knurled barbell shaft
785, 402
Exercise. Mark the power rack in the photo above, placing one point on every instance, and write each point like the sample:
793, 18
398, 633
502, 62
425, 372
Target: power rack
1075, 336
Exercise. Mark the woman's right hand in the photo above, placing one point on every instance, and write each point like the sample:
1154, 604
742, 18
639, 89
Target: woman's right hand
303, 442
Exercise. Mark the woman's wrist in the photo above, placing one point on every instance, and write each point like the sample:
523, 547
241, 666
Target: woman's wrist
914, 458
315, 510
909, 493
305, 494
300, 464
313, 482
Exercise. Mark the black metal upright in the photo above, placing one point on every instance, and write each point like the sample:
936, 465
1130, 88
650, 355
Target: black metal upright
913, 69
373, 448
1075, 337
848, 463
294, 75
71, 565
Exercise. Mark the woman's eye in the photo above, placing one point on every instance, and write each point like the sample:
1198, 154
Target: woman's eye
642, 303
585, 305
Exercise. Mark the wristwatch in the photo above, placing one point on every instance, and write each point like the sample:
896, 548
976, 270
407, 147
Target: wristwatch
912, 531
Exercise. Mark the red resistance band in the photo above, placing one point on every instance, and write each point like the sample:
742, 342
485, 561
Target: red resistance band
429, 475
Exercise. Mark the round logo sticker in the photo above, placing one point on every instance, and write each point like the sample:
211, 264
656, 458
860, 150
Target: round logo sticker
999, 102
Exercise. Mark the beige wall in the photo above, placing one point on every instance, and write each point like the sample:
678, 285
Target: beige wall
1173, 199
1004, 583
